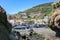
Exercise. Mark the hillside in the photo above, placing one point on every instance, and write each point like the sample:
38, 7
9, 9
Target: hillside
44, 8
37, 12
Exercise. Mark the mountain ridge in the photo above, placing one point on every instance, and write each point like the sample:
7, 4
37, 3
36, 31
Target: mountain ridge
36, 8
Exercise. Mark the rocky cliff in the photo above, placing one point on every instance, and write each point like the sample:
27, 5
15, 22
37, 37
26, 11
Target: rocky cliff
5, 26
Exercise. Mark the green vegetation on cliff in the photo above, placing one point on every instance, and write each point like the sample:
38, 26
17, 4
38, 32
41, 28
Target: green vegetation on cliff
46, 9
42, 7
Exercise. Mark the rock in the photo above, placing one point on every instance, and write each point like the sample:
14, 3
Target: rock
5, 26
54, 21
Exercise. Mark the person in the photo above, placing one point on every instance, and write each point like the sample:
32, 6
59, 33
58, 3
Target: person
28, 38
31, 32
24, 37
18, 34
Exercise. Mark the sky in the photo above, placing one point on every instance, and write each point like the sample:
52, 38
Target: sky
14, 6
